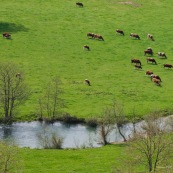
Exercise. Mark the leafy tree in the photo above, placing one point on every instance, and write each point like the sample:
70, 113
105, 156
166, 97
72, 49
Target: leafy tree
13, 89
10, 160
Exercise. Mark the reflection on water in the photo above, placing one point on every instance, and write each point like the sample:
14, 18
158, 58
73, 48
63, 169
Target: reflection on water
25, 134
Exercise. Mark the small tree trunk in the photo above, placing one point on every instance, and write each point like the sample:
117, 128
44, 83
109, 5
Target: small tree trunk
119, 130
150, 165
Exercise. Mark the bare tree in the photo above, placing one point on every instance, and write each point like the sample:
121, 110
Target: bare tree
50, 103
106, 125
111, 116
13, 89
10, 160
153, 144
120, 119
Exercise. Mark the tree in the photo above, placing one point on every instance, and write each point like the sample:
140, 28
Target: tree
10, 160
153, 145
120, 119
50, 103
106, 125
111, 116
13, 89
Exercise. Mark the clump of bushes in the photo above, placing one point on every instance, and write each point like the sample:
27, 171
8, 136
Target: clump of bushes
92, 122
50, 141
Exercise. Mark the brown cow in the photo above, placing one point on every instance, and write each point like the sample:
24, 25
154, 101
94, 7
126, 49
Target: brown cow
148, 72
135, 36
155, 76
148, 52
18, 75
151, 60
156, 81
87, 82
79, 4
149, 36
118, 31
168, 65
162, 54
99, 37
90, 35
137, 61
137, 66
6, 35
86, 47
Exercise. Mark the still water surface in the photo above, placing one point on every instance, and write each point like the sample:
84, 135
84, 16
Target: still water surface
26, 134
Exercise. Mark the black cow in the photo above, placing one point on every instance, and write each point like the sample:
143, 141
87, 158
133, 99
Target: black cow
90, 35
87, 82
79, 4
118, 31
86, 47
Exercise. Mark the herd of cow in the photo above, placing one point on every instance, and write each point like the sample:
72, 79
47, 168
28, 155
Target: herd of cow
138, 65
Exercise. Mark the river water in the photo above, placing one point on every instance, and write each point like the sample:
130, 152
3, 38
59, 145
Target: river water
26, 134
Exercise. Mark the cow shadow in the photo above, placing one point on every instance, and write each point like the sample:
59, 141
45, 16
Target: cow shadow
12, 27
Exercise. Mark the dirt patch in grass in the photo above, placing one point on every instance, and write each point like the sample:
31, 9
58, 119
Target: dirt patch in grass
130, 3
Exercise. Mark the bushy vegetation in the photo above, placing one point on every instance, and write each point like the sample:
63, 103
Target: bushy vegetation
48, 38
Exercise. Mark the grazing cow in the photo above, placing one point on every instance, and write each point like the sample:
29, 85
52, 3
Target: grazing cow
87, 82
168, 65
99, 37
148, 72
156, 81
148, 52
79, 4
118, 31
90, 35
135, 36
161, 54
149, 36
18, 75
85, 47
151, 60
137, 61
137, 66
6, 35
155, 76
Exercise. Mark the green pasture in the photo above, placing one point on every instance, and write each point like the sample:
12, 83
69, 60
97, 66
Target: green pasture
98, 160
48, 38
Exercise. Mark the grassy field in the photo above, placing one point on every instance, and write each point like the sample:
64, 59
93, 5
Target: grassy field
98, 160
48, 38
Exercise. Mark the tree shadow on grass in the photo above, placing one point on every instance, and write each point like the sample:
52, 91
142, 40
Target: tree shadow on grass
12, 27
